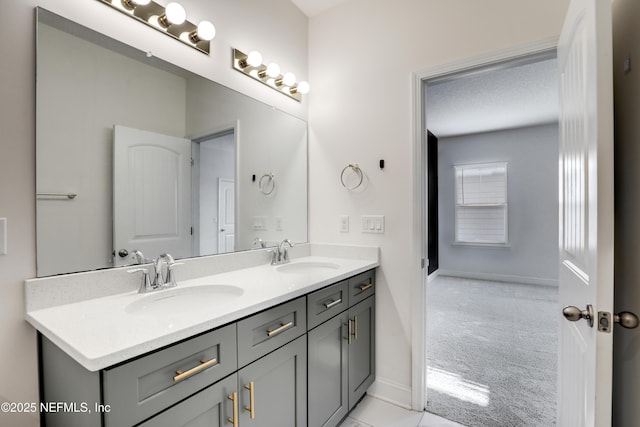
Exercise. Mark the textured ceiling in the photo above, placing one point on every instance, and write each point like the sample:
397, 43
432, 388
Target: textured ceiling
523, 95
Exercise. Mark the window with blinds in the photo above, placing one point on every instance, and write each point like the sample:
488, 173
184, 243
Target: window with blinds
481, 204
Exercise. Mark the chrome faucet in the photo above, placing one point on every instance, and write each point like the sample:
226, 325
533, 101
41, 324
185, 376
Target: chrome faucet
160, 281
280, 254
258, 243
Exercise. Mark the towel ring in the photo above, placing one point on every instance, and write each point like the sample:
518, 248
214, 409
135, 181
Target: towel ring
356, 169
264, 185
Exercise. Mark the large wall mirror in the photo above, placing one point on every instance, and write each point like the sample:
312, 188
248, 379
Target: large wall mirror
136, 154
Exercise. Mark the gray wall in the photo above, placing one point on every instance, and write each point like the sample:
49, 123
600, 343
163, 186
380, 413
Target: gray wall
626, 352
532, 180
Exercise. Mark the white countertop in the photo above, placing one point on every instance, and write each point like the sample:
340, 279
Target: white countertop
101, 332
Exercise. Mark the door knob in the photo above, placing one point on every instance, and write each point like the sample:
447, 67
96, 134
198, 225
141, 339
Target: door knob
123, 253
626, 319
574, 314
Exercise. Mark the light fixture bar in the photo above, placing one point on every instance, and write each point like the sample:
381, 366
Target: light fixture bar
259, 73
150, 13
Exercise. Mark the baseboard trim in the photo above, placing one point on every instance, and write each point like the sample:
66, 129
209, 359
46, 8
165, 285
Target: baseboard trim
392, 392
500, 277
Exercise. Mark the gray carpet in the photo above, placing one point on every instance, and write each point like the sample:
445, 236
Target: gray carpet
492, 353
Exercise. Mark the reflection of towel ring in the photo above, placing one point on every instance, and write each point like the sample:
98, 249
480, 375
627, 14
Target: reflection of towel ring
264, 185
356, 169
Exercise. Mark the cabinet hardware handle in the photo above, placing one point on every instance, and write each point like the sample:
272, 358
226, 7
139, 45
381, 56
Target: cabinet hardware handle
204, 364
234, 398
283, 327
355, 328
349, 330
251, 407
365, 287
332, 303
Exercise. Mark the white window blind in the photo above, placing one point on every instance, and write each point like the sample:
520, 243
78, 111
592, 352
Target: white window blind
481, 203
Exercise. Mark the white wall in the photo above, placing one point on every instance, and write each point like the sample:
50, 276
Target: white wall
276, 28
362, 54
626, 351
531, 154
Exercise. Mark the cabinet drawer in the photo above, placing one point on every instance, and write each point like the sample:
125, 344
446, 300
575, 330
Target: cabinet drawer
322, 305
138, 389
264, 332
361, 286
211, 408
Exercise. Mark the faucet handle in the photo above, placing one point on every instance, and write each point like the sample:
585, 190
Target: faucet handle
170, 282
145, 285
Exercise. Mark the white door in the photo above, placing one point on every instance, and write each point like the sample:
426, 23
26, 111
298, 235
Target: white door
226, 215
586, 212
151, 194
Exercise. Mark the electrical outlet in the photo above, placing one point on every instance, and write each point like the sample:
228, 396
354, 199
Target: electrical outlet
344, 223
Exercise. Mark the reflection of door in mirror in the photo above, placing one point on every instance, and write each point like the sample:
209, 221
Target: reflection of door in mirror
213, 208
226, 217
151, 194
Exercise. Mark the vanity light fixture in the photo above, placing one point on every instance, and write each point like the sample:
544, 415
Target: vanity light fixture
170, 19
251, 65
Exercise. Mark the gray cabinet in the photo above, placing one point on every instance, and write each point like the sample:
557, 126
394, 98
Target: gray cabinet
305, 362
328, 372
341, 364
272, 391
361, 349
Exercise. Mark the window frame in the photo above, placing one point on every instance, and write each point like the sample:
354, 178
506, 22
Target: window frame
505, 205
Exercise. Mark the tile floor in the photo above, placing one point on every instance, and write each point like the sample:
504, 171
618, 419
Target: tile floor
372, 412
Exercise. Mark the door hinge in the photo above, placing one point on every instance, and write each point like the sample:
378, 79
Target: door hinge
193, 162
192, 231
422, 263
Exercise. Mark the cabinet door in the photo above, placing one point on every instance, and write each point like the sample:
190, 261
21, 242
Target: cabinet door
361, 349
328, 400
273, 390
211, 407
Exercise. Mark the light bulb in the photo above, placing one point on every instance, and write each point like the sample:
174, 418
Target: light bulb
132, 4
303, 87
254, 58
206, 31
175, 13
289, 79
273, 70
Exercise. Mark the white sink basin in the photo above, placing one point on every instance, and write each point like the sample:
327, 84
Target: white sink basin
187, 299
307, 267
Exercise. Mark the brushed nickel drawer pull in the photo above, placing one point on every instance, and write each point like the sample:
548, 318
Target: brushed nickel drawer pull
234, 398
365, 287
204, 364
332, 303
349, 331
252, 406
283, 327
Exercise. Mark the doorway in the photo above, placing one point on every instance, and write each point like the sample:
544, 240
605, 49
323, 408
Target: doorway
496, 206
214, 173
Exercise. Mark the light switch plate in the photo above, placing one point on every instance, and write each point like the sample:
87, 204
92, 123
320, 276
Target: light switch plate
373, 224
3, 236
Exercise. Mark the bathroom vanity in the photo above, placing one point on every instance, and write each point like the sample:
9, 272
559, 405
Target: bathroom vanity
288, 345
